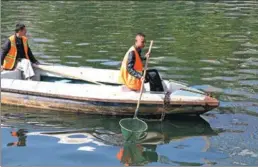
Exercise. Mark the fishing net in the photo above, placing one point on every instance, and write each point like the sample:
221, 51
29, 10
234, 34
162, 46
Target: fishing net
133, 129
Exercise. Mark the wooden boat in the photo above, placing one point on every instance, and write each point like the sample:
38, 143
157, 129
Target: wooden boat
64, 88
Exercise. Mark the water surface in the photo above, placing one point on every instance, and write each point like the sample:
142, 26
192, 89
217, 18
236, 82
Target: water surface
212, 46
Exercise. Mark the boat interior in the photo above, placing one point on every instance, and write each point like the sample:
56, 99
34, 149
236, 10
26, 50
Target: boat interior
103, 76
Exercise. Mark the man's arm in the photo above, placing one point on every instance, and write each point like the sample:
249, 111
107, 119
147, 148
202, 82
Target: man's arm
5, 49
130, 66
31, 56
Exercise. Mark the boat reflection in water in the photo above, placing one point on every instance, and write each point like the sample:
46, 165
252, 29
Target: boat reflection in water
106, 132
141, 154
144, 152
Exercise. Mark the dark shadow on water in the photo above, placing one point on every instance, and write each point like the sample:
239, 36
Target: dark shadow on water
21, 138
176, 128
140, 154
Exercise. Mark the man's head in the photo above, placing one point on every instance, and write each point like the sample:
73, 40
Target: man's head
140, 40
20, 29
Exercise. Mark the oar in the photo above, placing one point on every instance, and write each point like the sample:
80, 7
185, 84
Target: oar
65, 74
144, 74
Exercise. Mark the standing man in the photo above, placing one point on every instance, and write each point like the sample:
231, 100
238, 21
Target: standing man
16, 53
131, 71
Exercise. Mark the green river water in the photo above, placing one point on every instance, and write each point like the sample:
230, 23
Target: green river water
211, 45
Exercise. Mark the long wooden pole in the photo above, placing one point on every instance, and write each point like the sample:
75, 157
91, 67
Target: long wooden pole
144, 74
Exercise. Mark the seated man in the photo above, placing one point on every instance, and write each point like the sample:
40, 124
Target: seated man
16, 53
131, 72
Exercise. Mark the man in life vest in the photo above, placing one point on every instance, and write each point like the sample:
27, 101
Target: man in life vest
16, 53
131, 71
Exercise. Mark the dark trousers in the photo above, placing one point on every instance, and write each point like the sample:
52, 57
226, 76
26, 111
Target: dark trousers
152, 76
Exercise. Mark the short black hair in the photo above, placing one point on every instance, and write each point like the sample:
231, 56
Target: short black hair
19, 27
140, 34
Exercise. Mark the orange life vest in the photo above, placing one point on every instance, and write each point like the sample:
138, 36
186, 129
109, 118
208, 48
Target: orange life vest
125, 77
10, 58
